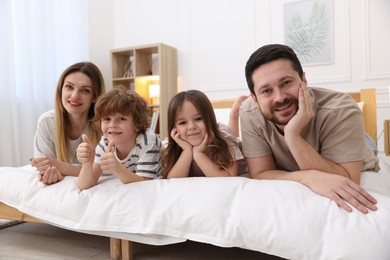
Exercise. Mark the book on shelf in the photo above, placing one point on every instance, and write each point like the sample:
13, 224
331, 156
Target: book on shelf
154, 120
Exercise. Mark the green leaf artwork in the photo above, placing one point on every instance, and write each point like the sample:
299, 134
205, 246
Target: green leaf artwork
308, 37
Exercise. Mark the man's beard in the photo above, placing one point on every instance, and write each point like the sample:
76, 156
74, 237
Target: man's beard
273, 118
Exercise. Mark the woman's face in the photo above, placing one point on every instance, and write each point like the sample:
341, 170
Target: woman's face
77, 94
190, 124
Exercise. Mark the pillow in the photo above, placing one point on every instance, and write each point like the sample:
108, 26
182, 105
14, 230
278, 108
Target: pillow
222, 115
361, 105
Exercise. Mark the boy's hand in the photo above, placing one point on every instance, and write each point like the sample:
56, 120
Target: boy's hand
85, 151
108, 162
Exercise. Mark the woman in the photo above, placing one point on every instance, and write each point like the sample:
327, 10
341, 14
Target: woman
59, 131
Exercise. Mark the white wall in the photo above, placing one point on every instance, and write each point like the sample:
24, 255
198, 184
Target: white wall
215, 38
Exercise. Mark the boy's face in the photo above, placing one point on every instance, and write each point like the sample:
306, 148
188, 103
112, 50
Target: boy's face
120, 129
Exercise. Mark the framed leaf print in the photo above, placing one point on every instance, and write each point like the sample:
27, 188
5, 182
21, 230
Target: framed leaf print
309, 30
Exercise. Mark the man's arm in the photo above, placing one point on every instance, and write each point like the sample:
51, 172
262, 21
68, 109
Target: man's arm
337, 188
304, 154
308, 158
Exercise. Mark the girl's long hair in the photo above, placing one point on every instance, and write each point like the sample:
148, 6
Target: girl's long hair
218, 149
61, 115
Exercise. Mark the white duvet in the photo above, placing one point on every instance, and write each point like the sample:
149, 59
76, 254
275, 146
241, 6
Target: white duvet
280, 218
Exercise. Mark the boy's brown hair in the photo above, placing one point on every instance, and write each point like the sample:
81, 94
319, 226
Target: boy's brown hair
126, 102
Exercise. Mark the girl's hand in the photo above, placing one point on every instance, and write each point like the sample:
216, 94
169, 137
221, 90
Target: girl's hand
304, 114
85, 151
203, 146
108, 162
180, 142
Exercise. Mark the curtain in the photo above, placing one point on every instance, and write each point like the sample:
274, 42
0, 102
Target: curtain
39, 39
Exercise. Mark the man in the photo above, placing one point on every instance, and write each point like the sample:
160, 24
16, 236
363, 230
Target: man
312, 136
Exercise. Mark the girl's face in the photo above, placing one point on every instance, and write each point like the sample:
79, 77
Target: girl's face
190, 124
77, 93
120, 129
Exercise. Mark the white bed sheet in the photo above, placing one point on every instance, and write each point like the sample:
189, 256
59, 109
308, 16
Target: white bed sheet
280, 218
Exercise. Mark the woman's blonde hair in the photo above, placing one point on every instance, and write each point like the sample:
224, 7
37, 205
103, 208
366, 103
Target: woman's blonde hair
61, 115
218, 149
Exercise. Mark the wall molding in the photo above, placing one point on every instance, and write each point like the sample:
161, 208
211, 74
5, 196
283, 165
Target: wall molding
370, 75
345, 76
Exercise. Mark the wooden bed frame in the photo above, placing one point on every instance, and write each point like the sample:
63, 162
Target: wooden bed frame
123, 249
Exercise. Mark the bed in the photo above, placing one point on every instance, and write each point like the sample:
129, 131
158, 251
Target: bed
280, 218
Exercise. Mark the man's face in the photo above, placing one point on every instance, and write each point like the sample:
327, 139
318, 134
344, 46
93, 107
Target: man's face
276, 87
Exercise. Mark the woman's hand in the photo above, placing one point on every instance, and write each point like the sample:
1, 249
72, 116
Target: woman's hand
50, 176
42, 163
48, 173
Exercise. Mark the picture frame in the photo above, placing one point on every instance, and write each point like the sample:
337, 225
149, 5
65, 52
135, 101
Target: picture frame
308, 30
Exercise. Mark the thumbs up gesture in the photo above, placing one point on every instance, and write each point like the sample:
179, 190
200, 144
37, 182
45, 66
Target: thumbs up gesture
108, 161
85, 151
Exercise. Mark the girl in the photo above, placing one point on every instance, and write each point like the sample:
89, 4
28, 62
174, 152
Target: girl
59, 131
127, 148
197, 145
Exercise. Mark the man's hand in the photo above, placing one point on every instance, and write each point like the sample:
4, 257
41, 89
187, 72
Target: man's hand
304, 114
341, 190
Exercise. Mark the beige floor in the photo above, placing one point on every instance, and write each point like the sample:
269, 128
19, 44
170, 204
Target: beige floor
40, 241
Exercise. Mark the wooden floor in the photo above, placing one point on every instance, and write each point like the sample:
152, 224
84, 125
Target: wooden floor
42, 241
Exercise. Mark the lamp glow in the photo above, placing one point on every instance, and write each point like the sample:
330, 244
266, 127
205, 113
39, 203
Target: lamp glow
154, 93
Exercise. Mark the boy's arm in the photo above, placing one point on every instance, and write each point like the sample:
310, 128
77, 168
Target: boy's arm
127, 177
89, 175
90, 171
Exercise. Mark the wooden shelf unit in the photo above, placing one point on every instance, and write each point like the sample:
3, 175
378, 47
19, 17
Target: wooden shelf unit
138, 67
